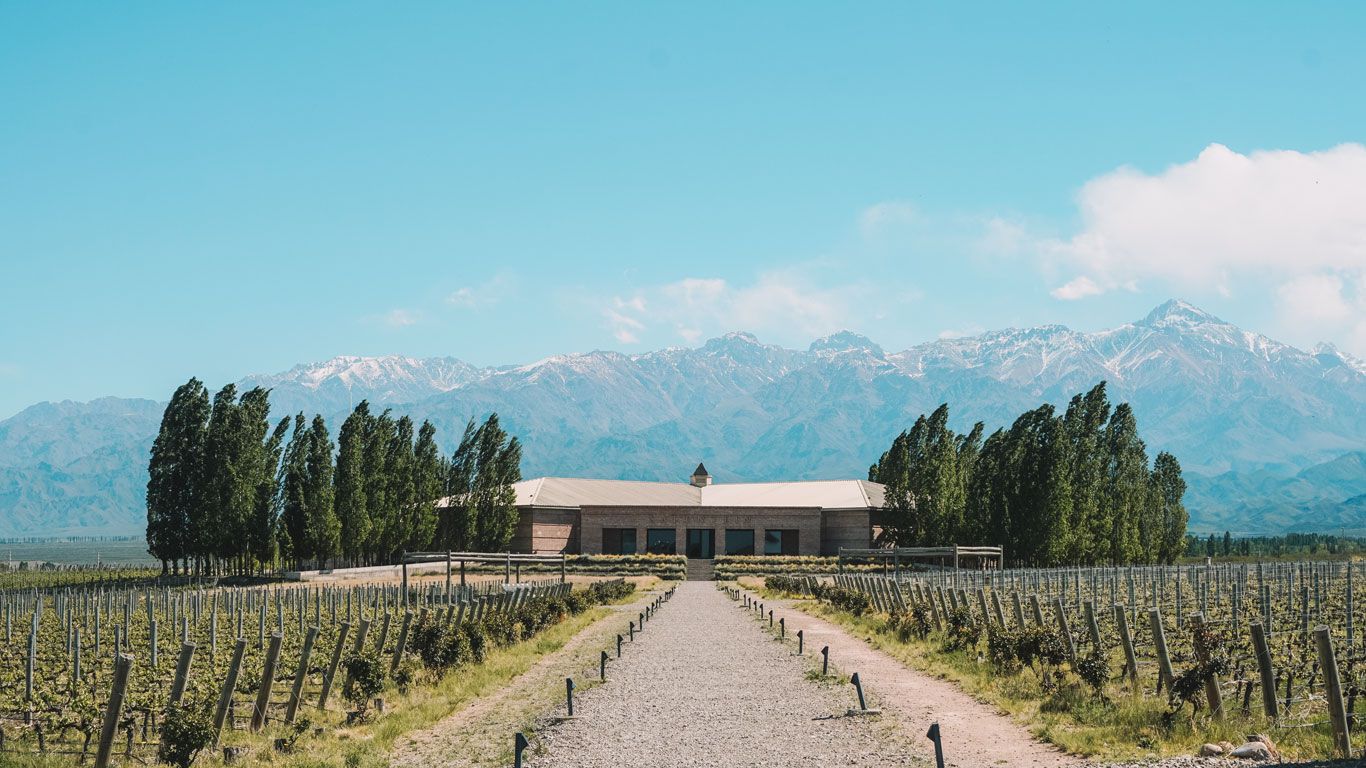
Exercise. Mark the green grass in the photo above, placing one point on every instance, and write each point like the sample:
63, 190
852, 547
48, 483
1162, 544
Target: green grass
1122, 726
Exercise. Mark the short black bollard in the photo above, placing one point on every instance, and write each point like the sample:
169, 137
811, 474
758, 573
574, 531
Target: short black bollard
782, 628
602, 667
770, 618
569, 694
825, 660
642, 622
631, 627
800, 641
519, 743
858, 686
933, 735
619, 646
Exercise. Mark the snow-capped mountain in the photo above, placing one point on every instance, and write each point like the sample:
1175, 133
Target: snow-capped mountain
1230, 403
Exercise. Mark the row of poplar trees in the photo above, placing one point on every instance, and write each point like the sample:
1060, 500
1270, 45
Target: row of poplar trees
229, 493
1054, 489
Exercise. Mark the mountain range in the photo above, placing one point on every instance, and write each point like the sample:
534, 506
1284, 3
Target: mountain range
1272, 438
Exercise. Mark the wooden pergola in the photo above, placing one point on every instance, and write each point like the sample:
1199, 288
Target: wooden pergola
893, 556
509, 561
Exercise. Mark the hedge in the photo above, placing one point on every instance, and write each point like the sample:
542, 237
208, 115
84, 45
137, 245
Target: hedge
727, 567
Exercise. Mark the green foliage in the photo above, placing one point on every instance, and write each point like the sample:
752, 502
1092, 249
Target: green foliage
914, 623
1094, 669
790, 585
843, 598
1052, 489
185, 732
365, 675
961, 631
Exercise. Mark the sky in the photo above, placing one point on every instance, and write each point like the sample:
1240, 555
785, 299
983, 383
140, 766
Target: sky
224, 189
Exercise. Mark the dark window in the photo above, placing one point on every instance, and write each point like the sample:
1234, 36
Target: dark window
618, 541
740, 541
780, 542
701, 543
661, 541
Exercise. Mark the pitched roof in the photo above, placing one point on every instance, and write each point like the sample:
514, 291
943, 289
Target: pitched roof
578, 492
701, 471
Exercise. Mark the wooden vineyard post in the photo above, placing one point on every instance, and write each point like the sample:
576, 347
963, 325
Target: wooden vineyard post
1268, 675
182, 672
1036, 609
1165, 675
220, 713
336, 661
1064, 631
1212, 692
122, 665
402, 639
258, 714
300, 675
1092, 628
1332, 689
1130, 659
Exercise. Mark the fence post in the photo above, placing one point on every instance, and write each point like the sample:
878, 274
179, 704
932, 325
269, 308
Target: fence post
1066, 633
220, 713
258, 714
182, 672
402, 640
336, 661
1165, 675
122, 665
1268, 675
301, 674
1332, 689
1212, 692
1130, 659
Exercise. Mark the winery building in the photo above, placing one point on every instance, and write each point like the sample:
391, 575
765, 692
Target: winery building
699, 518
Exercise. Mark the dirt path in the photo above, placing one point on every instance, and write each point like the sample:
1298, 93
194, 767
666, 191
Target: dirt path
974, 734
705, 685
481, 734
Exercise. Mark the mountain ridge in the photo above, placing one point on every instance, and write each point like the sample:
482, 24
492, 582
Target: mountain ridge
1223, 399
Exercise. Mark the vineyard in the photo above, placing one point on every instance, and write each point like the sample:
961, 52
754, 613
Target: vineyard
1176, 652
137, 674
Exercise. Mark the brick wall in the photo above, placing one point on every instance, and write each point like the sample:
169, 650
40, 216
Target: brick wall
805, 520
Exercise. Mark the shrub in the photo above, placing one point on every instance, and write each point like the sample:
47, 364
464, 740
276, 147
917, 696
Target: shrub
184, 733
1040, 649
845, 599
364, 678
791, 585
1003, 648
1093, 669
964, 632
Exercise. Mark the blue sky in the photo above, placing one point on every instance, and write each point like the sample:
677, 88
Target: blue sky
221, 189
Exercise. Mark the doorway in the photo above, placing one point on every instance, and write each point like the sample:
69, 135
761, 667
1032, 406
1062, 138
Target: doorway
701, 543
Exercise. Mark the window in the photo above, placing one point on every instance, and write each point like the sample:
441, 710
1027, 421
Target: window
701, 543
780, 542
618, 541
661, 541
740, 541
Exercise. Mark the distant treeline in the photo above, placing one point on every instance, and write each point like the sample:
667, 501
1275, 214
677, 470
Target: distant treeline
228, 493
1053, 489
1289, 545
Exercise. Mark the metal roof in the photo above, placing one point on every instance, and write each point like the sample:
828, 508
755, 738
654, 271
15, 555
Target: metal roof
577, 492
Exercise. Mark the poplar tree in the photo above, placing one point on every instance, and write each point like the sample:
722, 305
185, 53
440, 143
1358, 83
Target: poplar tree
324, 530
483, 513
429, 478
293, 531
174, 476
379, 508
352, 508
1168, 488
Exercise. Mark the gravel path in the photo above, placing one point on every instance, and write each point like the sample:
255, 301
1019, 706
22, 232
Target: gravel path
479, 735
705, 685
974, 733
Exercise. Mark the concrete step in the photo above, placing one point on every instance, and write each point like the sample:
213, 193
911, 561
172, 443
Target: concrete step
699, 569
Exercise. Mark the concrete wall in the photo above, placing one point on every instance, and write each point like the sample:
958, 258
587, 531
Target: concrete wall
845, 528
806, 520
548, 531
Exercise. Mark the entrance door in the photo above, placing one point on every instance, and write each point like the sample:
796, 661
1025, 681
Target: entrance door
701, 543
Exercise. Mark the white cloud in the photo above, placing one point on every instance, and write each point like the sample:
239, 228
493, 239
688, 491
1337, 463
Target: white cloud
787, 304
1078, 288
882, 216
400, 318
1286, 223
485, 294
